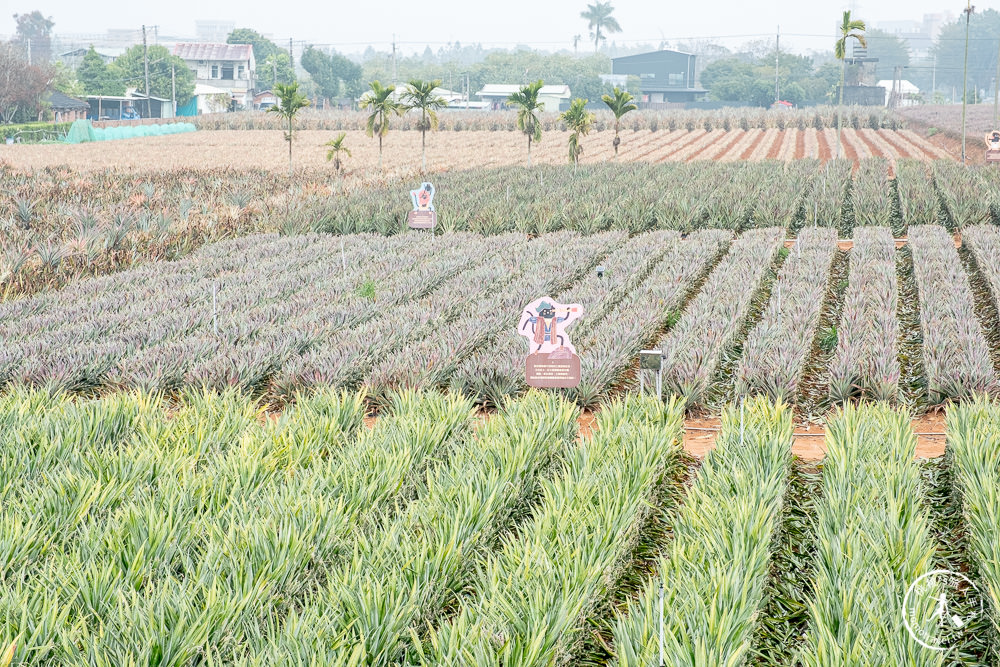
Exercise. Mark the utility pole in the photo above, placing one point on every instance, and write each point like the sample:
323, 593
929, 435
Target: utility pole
394, 60
965, 72
173, 91
996, 90
777, 42
145, 65
933, 78
29, 51
291, 56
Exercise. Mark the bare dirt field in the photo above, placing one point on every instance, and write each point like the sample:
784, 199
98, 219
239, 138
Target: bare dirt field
448, 150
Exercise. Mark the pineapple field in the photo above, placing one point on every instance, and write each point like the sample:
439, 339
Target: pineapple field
251, 418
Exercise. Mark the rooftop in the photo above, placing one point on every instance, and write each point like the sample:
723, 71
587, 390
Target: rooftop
206, 51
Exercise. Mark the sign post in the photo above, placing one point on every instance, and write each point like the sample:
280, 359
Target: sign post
651, 360
993, 146
423, 215
552, 361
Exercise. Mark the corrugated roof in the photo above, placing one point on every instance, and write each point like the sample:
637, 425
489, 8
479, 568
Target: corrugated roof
206, 51
498, 89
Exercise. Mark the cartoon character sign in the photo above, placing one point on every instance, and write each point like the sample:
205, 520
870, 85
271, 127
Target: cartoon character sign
993, 146
552, 359
544, 321
423, 215
423, 197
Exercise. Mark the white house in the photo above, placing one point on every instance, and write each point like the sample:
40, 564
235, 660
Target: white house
906, 93
496, 94
223, 67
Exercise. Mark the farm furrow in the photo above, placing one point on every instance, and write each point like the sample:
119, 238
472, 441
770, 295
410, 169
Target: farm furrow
541, 588
371, 610
973, 440
871, 508
693, 349
707, 589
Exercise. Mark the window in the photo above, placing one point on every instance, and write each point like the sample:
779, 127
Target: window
227, 71
240, 72
215, 71
675, 79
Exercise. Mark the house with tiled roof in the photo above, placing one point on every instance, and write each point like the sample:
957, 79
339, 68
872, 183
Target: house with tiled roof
225, 68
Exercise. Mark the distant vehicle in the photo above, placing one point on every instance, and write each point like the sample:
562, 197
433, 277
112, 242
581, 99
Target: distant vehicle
129, 113
264, 106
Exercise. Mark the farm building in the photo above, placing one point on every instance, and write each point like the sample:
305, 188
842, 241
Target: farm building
226, 68
116, 107
65, 108
665, 77
555, 97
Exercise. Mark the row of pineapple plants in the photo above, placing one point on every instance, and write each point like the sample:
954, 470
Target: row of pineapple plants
162, 539
777, 349
955, 353
865, 361
693, 349
873, 542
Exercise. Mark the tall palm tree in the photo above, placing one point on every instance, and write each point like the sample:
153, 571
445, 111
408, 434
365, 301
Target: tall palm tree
290, 102
620, 104
848, 27
528, 108
382, 104
420, 95
579, 122
600, 22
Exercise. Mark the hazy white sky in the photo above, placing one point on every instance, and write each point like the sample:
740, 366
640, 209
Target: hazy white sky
548, 24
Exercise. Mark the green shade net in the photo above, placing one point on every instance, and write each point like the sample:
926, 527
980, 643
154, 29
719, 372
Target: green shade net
82, 131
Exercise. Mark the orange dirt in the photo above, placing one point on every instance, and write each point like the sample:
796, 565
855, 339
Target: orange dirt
825, 153
772, 154
586, 422
809, 442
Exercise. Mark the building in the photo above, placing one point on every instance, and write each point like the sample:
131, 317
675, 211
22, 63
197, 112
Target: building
665, 77
226, 68
901, 93
919, 36
65, 108
555, 97
116, 107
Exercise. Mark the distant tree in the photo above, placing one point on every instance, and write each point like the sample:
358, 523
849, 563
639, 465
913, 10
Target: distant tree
290, 102
849, 29
96, 77
528, 108
274, 65
600, 22
620, 103
579, 122
333, 74
21, 85
128, 68
336, 148
382, 105
419, 95
949, 51
34, 34
891, 51
64, 79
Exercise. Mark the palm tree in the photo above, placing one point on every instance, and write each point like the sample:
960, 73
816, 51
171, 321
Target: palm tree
847, 31
380, 102
420, 95
578, 120
290, 102
620, 104
600, 21
336, 148
529, 107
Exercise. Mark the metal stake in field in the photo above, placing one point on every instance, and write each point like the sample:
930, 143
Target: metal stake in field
662, 663
215, 307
